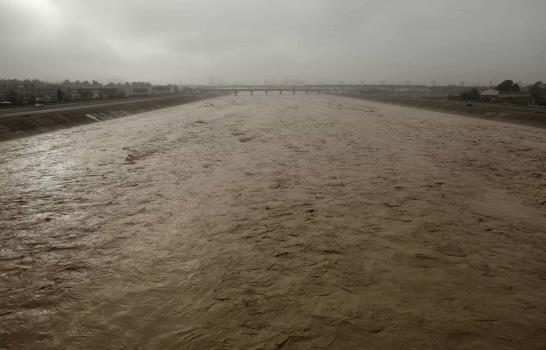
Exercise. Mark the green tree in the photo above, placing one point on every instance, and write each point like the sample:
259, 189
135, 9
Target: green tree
60, 95
508, 86
538, 93
12, 96
85, 94
471, 95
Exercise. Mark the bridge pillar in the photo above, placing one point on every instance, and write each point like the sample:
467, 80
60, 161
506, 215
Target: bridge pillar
280, 92
293, 92
251, 92
306, 92
266, 92
235, 92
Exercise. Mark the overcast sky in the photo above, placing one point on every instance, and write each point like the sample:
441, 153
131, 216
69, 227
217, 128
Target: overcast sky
192, 41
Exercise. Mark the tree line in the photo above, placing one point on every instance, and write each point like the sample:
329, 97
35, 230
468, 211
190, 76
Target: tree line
537, 92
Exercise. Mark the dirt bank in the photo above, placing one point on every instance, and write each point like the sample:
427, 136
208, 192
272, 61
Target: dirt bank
19, 126
275, 222
506, 113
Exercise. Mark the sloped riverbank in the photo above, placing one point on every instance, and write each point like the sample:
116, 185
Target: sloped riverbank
49, 120
524, 115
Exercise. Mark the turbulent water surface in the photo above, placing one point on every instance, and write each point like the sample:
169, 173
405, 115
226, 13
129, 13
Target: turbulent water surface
294, 222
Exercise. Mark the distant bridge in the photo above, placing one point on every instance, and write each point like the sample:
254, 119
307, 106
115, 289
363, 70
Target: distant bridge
317, 89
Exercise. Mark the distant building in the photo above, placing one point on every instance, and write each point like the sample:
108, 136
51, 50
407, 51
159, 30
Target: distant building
513, 94
164, 89
24, 91
506, 96
96, 94
139, 89
396, 90
489, 94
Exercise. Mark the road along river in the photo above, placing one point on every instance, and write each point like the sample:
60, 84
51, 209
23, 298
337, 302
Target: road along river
293, 222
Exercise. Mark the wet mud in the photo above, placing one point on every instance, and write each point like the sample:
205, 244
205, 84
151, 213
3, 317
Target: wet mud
275, 222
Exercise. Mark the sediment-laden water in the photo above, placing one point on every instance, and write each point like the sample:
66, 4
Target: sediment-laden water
293, 222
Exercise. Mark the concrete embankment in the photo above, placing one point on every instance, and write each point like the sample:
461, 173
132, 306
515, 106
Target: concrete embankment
24, 125
531, 116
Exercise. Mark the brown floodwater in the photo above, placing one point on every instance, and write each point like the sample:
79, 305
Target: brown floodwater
268, 222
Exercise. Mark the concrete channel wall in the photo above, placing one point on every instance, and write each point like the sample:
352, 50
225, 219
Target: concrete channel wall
26, 125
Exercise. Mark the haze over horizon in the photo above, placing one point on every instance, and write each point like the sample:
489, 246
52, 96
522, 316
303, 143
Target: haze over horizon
198, 41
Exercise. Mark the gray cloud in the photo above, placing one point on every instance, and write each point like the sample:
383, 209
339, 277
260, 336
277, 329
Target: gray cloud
253, 40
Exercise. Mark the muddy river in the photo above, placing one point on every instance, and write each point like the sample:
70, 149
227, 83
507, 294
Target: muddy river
275, 222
